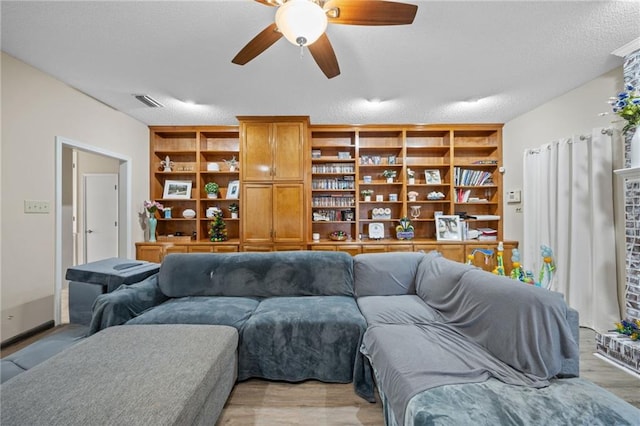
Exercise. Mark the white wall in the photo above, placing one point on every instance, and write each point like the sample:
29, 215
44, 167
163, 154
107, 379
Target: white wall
35, 109
573, 113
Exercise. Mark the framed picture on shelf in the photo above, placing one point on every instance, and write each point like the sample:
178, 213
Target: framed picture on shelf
432, 176
177, 189
233, 190
448, 228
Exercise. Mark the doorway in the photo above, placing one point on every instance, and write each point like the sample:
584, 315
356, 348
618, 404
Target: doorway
69, 190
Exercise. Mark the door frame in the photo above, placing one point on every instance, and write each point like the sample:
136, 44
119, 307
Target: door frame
125, 212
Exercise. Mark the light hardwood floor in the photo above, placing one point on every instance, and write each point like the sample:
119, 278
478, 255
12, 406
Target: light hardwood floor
259, 402
265, 403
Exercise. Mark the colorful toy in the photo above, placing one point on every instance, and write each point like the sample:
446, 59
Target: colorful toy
516, 273
547, 268
499, 269
487, 255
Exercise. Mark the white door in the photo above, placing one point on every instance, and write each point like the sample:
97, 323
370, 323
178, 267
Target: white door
100, 216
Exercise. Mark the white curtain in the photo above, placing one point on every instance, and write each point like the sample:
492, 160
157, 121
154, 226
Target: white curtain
568, 206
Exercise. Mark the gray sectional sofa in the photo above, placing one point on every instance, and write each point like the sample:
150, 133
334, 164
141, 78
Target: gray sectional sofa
445, 343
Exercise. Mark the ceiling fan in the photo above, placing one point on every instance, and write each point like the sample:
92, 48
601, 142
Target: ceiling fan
303, 23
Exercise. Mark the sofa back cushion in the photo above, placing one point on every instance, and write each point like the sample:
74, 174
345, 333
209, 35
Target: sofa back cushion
387, 274
273, 274
438, 274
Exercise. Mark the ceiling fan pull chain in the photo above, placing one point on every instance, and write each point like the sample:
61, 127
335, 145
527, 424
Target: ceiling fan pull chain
301, 51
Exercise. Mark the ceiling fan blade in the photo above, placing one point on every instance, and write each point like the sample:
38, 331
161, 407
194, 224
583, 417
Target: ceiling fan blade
370, 12
258, 44
268, 2
325, 57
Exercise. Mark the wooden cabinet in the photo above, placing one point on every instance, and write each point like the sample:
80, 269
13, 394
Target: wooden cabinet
277, 213
156, 252
273, 148
274, 152
291, 180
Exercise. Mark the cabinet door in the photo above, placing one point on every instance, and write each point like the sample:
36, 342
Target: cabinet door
258, 209
150, 253
323, 248
257, 157
288, 213
371, 248
351, 249
288, 151
176, 249
448, 251
399, 247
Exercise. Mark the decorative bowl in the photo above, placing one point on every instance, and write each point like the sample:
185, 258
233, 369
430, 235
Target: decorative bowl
189, 214
338, 236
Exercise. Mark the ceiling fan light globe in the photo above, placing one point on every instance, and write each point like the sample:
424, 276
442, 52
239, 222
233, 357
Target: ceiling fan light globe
301, 22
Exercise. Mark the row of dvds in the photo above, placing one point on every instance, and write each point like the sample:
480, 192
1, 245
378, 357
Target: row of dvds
337, 183
329, 201
333, 168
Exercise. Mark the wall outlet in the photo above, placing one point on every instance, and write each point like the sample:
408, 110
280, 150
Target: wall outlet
36, 206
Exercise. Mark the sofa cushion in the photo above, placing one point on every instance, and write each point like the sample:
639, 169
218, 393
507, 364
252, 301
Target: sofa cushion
299, 338
403, 309
295, 273
232, 311
384, 274
437, 273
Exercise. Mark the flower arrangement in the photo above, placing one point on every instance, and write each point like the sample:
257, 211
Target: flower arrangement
627, 106
366, 192
232, 164
389, 174
234, 208
629, 328
152, 206
411, 173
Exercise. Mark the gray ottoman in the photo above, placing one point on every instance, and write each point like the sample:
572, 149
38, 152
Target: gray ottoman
129, 375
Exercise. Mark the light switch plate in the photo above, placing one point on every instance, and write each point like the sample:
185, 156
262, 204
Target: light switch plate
513, 196
36, 206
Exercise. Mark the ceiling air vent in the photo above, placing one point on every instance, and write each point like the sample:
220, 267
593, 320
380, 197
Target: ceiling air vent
148, 101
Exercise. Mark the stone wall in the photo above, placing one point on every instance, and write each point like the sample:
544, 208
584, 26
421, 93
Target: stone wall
632, 208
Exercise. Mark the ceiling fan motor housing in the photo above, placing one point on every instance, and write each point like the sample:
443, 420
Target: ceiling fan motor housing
302, 22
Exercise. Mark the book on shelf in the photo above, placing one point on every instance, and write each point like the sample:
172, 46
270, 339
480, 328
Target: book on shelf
484, 216
487, 234
469, 177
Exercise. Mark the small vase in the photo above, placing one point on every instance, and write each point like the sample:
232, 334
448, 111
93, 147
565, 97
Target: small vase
412, 181
153, 222
212, 195
390, 180
234, 215
634, 149
367, 198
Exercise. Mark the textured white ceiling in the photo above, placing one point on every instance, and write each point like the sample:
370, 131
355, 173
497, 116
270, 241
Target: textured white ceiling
513, 55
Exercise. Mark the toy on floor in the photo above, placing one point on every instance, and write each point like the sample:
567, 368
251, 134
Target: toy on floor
548, 267
516, 273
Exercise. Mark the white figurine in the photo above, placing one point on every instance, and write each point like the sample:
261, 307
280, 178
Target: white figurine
167, 164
